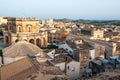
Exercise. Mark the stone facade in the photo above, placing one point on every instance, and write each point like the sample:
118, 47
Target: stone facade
24, 29
84, 59
2, 20
98, 34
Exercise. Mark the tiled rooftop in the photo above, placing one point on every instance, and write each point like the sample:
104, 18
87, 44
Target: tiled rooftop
48, 50
73, 45
21, 48
46, 68
106, 76
18, 70
61, 58
59, 51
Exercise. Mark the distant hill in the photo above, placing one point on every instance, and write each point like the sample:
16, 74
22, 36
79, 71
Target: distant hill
93, 22
63, 20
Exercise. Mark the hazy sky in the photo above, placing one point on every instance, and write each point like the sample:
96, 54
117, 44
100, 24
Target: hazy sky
73, 9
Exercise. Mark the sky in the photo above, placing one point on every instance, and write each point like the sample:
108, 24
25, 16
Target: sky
71, 9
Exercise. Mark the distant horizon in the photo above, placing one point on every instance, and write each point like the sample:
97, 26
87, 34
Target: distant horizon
62, 18
59, 9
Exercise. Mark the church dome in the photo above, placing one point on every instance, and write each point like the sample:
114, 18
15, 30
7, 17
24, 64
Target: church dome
21, 48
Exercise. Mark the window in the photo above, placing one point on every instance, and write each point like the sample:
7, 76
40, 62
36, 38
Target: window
68, 67
66, 49
29, 28
73, 69
70, 51
19, 28
10, 27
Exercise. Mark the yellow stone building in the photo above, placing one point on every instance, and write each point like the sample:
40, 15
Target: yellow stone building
98, 34
2, 20
27, 29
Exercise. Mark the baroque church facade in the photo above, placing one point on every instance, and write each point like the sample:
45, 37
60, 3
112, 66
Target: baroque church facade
26, 29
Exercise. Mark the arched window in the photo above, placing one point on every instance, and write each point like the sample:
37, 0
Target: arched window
16, 40
38, 42
19, 28
10, 28
6, 39
29, 28
31, 41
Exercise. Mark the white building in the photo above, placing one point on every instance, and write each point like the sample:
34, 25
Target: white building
67, 65
73, 45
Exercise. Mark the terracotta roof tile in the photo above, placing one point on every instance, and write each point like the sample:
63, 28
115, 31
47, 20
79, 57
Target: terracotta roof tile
17, 70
